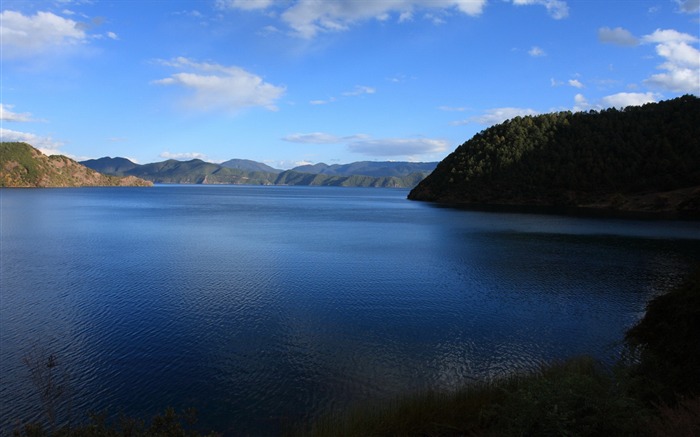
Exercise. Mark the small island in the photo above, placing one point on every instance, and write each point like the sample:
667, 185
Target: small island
638, 159
23, 166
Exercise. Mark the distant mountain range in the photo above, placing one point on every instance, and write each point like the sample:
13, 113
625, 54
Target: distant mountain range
369, 168
246, 172
24, 166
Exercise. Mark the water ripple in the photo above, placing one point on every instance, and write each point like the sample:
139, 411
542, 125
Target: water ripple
265, 307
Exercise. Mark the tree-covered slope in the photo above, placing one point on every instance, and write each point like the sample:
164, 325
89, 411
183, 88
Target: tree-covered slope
248, 165
24, 166
110, 166
637, 158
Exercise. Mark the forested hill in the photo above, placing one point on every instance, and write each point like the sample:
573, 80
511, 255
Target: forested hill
641, 158
22, 165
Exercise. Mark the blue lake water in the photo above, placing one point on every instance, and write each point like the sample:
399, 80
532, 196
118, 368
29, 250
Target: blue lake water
266, 306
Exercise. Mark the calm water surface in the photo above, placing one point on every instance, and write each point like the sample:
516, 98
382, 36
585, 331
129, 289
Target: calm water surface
266, 306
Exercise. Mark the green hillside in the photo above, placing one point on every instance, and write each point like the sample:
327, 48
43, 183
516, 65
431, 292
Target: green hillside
24, 166
640, 158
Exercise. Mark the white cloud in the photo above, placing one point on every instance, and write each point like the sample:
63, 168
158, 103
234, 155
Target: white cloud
6, 114
496, 115
668, 35
557, 9
617, 36
682, 66
398, 146
219, 87
313, 138
47, 145
26, 36
575, 83
621, 100
536, 52
184, 155
581, 103
112, 35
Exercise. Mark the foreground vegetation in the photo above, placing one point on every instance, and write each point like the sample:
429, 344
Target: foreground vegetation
653, 391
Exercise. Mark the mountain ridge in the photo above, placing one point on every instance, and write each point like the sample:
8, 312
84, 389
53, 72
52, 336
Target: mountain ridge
243, 172
24, 166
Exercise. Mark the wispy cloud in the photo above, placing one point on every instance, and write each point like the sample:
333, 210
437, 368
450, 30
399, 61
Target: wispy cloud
183, 155
536, 52
360, 90
6, 114
218, 87
575, 83
323, 102
389, 147
313, 138
321, 138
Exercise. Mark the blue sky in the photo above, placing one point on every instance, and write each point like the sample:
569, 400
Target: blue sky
287, 82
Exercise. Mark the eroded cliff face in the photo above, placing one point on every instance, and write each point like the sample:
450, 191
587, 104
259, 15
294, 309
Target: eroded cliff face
24, 166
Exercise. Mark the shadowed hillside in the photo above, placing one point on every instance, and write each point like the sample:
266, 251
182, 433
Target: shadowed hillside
643, 158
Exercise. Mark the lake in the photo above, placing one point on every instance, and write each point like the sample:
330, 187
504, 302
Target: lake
266, 306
